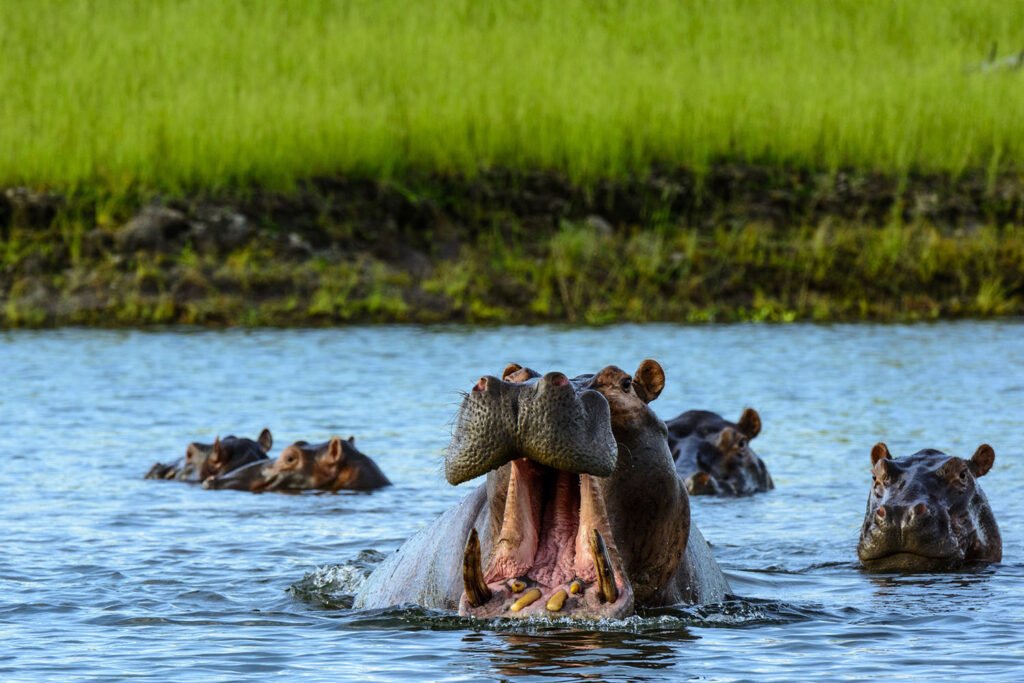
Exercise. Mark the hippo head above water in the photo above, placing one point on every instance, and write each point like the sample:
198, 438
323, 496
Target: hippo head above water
330, 466
571, 528
926, 512
203, 460
227, 454
714, 456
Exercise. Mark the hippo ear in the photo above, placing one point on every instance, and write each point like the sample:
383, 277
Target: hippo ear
649, 380
334, 451
352, 439
217, 452
514, 372
509, 369
981, 461
726, 438
750, 423
879, 452
266, 440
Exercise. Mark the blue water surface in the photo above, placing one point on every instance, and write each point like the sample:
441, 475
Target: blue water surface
105, 576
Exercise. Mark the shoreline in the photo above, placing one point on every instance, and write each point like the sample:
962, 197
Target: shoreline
738, 243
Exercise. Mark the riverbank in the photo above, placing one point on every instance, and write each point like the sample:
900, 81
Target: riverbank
738, 242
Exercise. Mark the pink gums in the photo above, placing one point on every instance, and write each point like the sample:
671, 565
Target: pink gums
549, 515
545, 535
555, 560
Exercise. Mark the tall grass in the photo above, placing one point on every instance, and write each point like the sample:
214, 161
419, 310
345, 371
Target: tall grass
172, 94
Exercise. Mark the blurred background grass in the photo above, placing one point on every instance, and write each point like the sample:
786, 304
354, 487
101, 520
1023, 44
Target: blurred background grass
181, 94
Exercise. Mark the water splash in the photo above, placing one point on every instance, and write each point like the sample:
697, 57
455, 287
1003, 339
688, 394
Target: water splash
334, 586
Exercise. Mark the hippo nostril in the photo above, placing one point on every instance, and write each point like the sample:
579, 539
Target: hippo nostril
920, 510
880, 512
481, 385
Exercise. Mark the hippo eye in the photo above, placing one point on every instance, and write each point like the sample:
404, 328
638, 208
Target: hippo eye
879, 485
626, 383
963, 475
741, 444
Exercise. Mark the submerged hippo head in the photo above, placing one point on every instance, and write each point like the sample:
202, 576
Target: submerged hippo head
558, 538
199, 463
227, 454
329, 466
926, 512
250, 477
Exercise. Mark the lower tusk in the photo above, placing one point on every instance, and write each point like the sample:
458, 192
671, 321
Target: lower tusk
607, 590
477, 592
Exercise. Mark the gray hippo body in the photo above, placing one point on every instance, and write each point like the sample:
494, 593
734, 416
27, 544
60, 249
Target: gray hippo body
581, 515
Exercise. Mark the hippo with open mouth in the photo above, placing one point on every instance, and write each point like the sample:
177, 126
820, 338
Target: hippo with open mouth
926, 512
713, 455
581, 514
204, 460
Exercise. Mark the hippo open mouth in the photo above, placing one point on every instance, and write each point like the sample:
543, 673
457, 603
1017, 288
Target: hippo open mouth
554, 553
550, 548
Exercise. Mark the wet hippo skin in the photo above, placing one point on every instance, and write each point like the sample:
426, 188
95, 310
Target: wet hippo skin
927, 512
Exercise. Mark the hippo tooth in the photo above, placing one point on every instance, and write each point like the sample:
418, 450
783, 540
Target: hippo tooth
477, 592
607, 590
517, 585
556, 601
529, 597
575, 586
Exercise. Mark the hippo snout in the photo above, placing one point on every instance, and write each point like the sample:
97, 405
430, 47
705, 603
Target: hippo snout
548, 419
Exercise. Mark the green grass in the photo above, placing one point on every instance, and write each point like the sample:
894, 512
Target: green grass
173, 95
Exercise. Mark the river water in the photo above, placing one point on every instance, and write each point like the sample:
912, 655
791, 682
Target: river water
106, 576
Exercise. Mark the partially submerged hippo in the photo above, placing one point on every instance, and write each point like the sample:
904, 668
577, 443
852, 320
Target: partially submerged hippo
203, 460
330, 466
926, 512
251, 477
581, 513
231, 453
713, 455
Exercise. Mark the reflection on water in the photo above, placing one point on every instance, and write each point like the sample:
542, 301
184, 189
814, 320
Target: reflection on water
104, 576
572, 655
